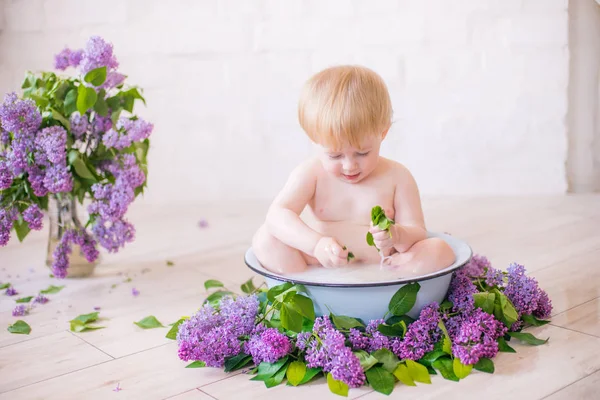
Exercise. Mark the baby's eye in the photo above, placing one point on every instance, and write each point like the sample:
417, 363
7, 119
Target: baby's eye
335, 156
363, 154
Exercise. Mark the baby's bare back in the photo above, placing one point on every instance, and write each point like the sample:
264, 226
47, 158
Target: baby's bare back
343, 210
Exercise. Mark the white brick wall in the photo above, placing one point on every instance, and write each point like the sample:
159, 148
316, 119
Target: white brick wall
479, 87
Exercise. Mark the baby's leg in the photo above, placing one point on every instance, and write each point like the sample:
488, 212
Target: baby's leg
424, 257
277, 256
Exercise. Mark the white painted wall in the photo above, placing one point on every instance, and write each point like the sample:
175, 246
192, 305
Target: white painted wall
479, 86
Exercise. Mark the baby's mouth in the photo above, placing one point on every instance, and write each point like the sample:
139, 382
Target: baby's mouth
351, 177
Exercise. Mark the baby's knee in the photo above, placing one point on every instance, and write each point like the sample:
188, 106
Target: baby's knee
443, 250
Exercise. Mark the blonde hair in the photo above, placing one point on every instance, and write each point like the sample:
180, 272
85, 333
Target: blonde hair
344, 104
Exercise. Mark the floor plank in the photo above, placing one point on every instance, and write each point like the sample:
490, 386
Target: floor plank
584, 318
586, 388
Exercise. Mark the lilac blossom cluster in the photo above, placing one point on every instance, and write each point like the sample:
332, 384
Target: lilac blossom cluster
325, 347
212, 334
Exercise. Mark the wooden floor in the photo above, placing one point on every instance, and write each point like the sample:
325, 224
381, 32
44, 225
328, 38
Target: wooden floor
556, 238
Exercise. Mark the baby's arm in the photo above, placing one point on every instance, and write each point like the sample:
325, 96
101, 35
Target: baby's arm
410, 224
283, 221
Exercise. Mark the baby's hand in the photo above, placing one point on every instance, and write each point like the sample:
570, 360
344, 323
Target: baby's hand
329, 253
383, 239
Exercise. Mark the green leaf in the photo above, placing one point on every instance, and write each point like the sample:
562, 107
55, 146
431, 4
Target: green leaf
20, 327
70, 105
370, 240
4, 285
404, 299
504, 347
295, 372
485, 301
212, 283
82, 170
85, 318
59, 117
528, 338
290, 318
196, 364
376, 213
149, 322
216, 297
170, 263
310, 373
101, 107
72, 156
485, 365
531, 320
444, 365
446, 342
267, 370
24, 299
248, 286
396, 330
304, 306
404, 376
86, 98
446, 305
395, 319
52, 290
277, 290
285, 297
366, 360
277, 378
172, 334
22, 228
96, 76
387, 358
78, 326
236, 362
381, 380
461, 370
504, 311
337, 387
344, 322
430, 357
418, 372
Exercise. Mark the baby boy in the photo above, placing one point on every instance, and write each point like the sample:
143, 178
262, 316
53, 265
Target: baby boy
324, 210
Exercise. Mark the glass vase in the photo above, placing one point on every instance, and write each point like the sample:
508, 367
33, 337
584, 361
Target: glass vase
62, 213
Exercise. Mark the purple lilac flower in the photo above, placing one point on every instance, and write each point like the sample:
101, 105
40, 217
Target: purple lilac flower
4, 137
210, 336
41, 299
58, 179
101, 124
377, 340
36, 178
522, 290
477, 265
113, 79
421, 335
52, 142
21, 117
461, 291
20, 310
358, 340
494, 277
7, 218
11, 291
331, 353
87, 245
98, 53
115, 235
67, 58
474, 336
544, 308
33, 216
79, 125
137, 130
135, 292
6, 176
203, 223
61, 254
267, 345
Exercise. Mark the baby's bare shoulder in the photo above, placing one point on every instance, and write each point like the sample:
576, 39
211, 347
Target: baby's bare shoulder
396, 170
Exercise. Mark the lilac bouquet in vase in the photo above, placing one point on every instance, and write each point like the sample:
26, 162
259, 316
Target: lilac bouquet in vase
69, 141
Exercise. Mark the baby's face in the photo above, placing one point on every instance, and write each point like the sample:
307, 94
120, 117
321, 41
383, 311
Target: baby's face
351, 164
